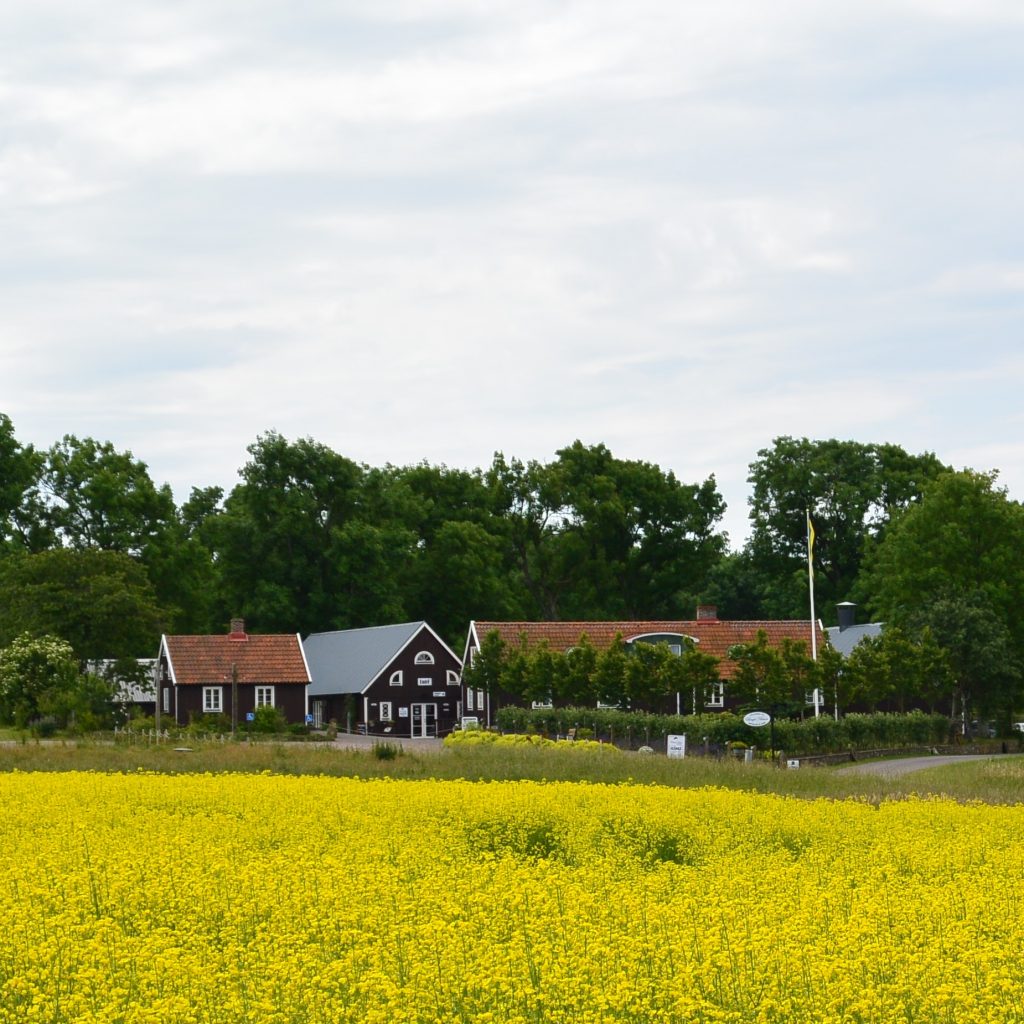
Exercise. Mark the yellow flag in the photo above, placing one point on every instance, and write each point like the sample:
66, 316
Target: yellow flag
810, 542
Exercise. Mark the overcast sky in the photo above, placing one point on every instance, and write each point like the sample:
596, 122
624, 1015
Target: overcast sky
434, 229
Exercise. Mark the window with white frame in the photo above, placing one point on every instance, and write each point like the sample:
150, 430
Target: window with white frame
385, 711
715, 696
264, 696
539, 705
167, 700
424, 658
453, 678
425, 681
396, 678
469, 699
213, 699
480, 700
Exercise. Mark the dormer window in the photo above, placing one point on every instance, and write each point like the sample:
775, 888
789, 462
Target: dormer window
424, 658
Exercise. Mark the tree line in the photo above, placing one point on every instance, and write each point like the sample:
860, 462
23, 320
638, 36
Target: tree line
94, 551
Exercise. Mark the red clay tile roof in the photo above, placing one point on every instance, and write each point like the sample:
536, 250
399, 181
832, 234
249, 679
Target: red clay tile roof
270, 659
713, 636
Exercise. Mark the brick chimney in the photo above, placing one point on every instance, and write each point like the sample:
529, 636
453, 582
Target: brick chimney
847, 614
237, 630
707, 613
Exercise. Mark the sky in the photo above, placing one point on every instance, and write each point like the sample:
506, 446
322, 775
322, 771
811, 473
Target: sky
436, 229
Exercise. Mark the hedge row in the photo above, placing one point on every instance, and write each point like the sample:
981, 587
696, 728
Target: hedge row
812, 736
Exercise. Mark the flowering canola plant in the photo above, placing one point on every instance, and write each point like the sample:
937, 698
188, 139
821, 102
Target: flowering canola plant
227, 898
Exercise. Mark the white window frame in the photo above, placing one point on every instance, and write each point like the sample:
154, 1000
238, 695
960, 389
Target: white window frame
424, 658
480, 700
213, 700
425, 681
452, 677
541, 705
384, 711
469, 699
167, 700
715, 696
262, 695
396, 678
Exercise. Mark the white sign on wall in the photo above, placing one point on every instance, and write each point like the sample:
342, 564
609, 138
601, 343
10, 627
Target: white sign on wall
403, 712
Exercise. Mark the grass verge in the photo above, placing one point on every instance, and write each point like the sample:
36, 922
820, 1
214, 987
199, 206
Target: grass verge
998, 781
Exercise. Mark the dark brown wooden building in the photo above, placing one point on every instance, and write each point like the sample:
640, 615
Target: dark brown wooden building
232, 675
396, 680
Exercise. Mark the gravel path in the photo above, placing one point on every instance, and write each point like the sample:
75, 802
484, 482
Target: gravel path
905, 765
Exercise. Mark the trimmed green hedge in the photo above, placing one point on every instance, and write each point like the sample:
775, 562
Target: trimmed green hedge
812, 736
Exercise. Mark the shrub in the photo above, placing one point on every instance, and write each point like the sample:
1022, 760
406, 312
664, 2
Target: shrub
387, 751
268, 719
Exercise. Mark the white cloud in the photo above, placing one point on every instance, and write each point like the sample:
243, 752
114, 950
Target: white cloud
435, 229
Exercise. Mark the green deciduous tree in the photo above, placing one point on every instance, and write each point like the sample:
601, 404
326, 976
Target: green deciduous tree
760, 676
851, 490
954, 562
100, 602
20, 466
39, 677
901, 671
281, 540
594, 537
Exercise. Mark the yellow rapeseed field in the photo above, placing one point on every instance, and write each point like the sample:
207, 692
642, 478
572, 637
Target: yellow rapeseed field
163, 899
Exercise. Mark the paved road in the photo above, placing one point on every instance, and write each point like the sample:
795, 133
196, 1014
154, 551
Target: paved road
905, 765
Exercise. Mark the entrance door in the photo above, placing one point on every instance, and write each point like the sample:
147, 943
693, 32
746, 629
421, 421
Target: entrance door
424, 720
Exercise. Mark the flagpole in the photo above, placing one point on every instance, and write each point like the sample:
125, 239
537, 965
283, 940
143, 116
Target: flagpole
810, 583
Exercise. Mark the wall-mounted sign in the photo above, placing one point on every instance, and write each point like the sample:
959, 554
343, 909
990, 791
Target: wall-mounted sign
403, 712
439, 693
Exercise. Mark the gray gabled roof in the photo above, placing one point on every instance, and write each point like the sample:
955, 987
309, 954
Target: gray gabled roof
844, 640
348, 660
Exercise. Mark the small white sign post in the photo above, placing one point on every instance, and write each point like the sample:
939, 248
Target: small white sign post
677, 746
759, 719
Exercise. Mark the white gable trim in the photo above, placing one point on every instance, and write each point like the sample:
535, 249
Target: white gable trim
302, 651
164, 649
472, 640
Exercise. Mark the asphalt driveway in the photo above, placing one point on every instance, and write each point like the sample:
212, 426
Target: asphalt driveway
906, 765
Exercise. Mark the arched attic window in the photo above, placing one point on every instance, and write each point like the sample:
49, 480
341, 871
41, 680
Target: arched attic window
424, 658
677, 642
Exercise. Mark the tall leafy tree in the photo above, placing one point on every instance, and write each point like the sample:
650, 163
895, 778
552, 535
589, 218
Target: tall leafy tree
100, 602
99, 498
954, 562
21, 522
901, 671
290, 534
851, 490
594, 537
